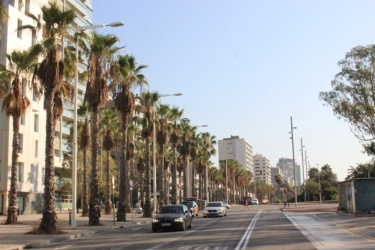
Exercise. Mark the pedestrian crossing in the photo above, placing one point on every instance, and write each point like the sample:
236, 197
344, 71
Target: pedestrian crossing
203, 248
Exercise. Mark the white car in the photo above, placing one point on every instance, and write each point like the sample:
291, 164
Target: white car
227, 205
215, 208
254, 201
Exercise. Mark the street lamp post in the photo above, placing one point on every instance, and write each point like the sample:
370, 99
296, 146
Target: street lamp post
226, 179
303, 171
294, 164
75, 118
154, 153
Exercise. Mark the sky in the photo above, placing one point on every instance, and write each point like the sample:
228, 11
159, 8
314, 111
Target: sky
246, 67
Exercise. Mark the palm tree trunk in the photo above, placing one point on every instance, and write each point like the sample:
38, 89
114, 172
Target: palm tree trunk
147, 208
121, 211
49, 219
160, 178
12, 216
85, 208
174, 177
108, 202
95, 202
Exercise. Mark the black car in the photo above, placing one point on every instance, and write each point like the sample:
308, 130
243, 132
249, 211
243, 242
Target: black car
177, 217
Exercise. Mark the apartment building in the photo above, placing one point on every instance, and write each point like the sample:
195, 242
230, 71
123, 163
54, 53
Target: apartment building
32, 129
262, 168
238, 149
287, 168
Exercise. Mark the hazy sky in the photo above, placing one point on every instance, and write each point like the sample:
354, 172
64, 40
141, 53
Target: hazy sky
245, 67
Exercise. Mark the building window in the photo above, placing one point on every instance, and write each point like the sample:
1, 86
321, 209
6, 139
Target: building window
19, 32
32, 174
33, 37
24, 85
20, 5
36, 148
23, 119
35, 97
36, 122
20, 172
21, 144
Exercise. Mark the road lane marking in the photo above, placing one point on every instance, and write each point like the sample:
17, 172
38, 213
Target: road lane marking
248, 232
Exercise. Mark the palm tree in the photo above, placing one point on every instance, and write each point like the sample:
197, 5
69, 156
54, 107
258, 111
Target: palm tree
208, 149
109, 124
101, 51
15, 104
162, 141
148, 103
50, 74
175, 140
184, 149
126, 75
84, 145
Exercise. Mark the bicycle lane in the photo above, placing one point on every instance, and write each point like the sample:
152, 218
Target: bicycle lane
324, 234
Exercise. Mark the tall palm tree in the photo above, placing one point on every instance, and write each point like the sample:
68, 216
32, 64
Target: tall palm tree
84, 145
148, 103
208, 149
50, 74
175, 140
101, 51
126, 75
110, 125
15, 104
162, 141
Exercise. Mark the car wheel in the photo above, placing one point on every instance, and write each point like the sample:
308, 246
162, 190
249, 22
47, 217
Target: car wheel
183, 226
204, 216
154, 230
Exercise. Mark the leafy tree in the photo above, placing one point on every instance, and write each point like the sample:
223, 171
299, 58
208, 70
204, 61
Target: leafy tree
353, 91
362, 170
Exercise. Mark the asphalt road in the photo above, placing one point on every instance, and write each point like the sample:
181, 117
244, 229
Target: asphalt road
260, 227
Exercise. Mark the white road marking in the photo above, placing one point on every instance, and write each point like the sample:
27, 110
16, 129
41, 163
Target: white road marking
248, 232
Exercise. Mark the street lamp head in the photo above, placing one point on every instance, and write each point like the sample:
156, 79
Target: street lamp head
177, 94
116, 24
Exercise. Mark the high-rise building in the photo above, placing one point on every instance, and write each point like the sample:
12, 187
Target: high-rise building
32, 129
239, 149
262, 168
287, 168
275, 171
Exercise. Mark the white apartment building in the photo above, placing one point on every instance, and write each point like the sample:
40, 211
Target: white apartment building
32, 129
262, 168
238, 149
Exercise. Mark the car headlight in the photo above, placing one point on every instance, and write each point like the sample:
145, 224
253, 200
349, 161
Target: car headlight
155, 220
179, 220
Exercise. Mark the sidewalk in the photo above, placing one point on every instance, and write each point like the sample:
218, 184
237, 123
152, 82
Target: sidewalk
361, 224
17, 237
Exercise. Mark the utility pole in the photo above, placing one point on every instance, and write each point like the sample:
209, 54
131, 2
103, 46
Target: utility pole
294, 163
303, 172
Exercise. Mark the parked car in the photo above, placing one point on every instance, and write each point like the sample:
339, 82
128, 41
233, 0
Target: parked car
177, 217
227, 205
192, 206
215, 208
254, 201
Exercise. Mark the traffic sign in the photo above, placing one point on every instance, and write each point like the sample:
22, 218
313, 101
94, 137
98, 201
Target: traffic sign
283, 185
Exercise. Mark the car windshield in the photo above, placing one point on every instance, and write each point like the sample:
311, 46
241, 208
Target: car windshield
214, 205
188, 204
171, 210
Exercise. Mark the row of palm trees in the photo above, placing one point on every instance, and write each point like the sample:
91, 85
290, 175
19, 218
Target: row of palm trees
108, 75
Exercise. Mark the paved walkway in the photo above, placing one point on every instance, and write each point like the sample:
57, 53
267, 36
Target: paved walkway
17, 237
